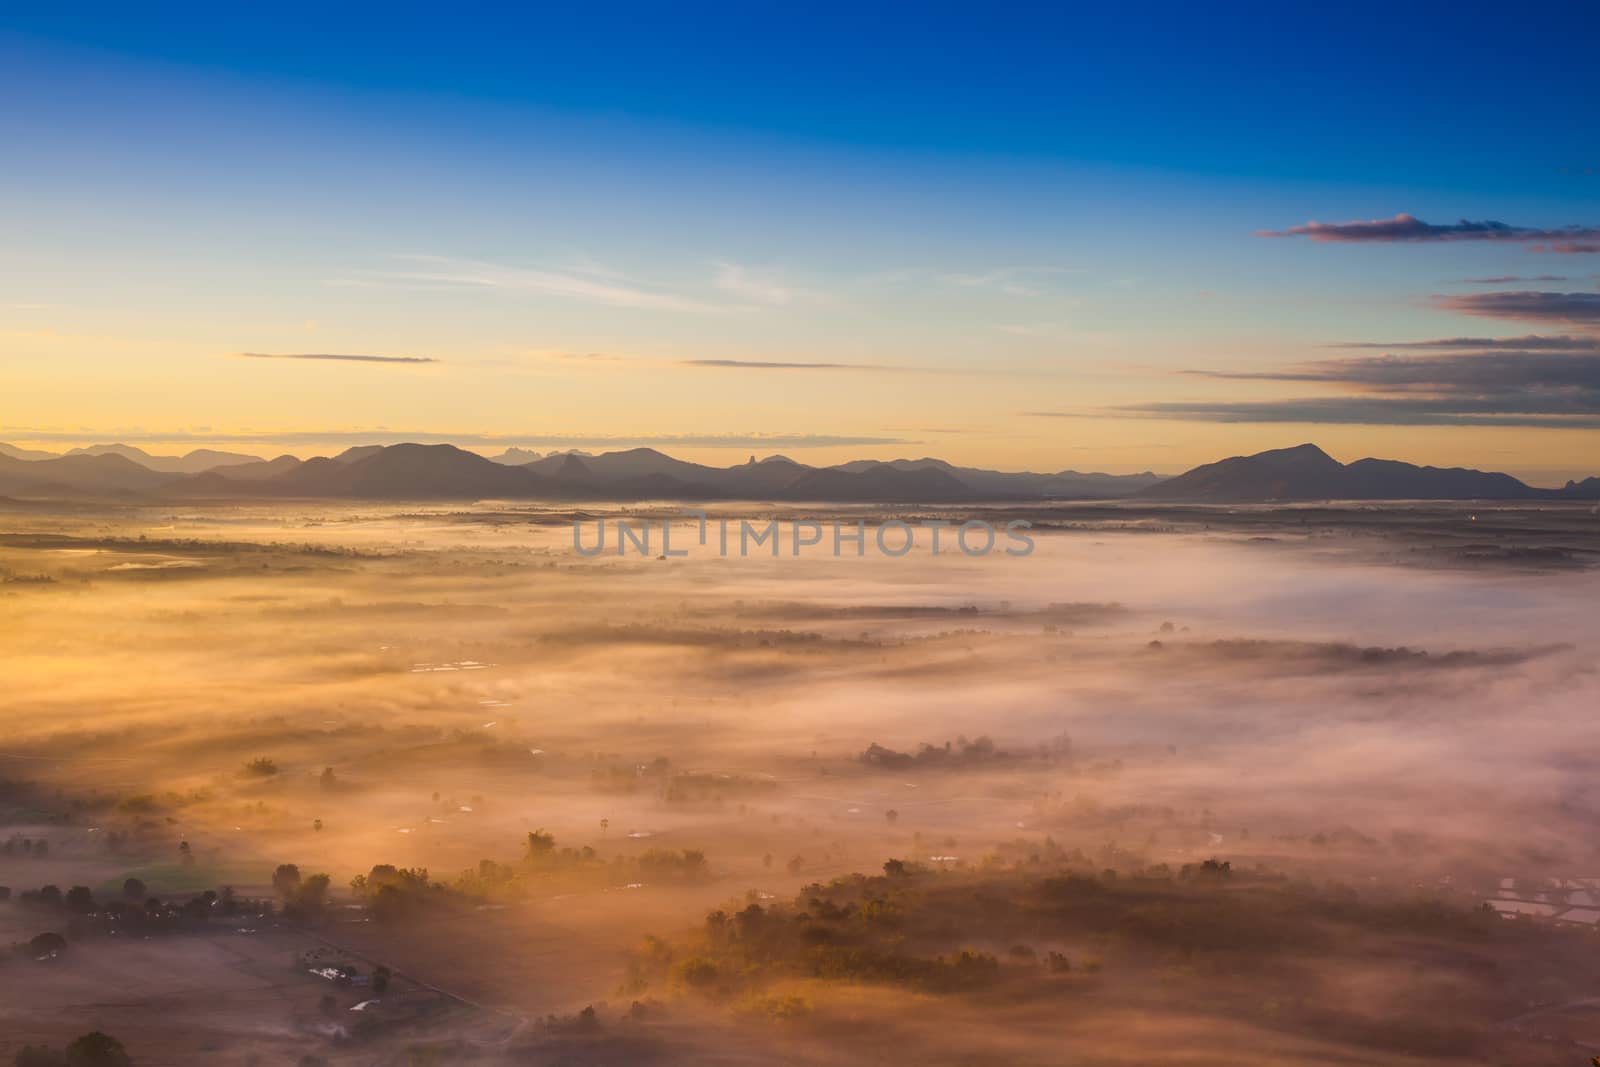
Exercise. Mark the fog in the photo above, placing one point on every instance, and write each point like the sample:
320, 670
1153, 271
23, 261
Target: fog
1359, 712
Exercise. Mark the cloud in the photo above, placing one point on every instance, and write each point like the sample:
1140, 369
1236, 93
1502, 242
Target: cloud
1456, 371
590, 282
1006, 280
604, 289
1527, 343
1410, 229
1558, 387
339, 358
760, 287
1551, 413
1530, 306
1507, 279
756, 364
1021, 281
880, 368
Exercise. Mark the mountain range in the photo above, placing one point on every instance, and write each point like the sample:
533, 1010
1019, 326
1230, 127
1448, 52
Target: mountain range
201, 459
444, 472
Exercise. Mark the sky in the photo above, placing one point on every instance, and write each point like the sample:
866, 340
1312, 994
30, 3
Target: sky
1093, 240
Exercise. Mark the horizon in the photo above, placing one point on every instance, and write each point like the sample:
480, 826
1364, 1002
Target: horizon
721, 456
493, 452
667, 246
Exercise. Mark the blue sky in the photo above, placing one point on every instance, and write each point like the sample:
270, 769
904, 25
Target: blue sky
606, 226
1372, 94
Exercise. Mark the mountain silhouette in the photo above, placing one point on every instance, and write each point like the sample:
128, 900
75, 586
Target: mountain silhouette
108, 474
1025, 484
25, 453
401, 472
1306, 472
200, 459
516, 457
445, 472
879, 483
1301, 472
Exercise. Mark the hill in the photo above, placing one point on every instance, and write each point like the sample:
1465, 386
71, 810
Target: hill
193, 462
1306, 472
108, 474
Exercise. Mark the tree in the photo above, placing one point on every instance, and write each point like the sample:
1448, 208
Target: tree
312, 896
260, 767
892, 816
540, 843
605, 824
380, 980
47, 944
697, 971
329, 779
286, 879
186, 853
133, 889
316, 824
96, 1049
80, 900
389, 904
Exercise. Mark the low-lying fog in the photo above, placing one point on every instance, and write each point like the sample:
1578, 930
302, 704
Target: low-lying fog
195, 697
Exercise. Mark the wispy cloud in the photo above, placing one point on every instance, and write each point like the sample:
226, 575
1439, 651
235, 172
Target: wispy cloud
1527, 343
757, 364
1509, 279
1490, 386
760, 286
1528, 306
1552, 413
608, 289
1410, 229
876, 368
335, 357
1022, 281
1010, 281
1452, 372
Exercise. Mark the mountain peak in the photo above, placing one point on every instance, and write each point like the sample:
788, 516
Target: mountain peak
1296, 454
1307, 449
